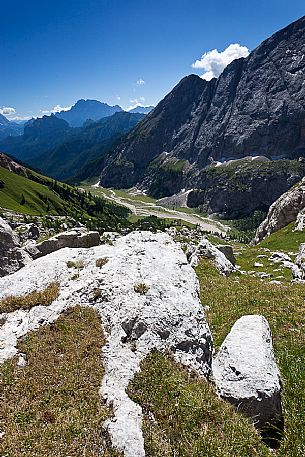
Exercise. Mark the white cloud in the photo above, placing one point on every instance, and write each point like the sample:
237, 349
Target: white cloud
58, 108
20, 118
214, 62
140, 82
136, 103
7, 111
118, 97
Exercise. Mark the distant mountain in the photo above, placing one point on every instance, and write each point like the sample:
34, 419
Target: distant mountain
9, 128
142, 109
40, 135
84, 146
52, 146
255, 108
4, 122
87, 109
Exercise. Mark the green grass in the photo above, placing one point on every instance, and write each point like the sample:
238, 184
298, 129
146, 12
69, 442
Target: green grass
285, 240
51, 407
283, 306
16, 186
183, 416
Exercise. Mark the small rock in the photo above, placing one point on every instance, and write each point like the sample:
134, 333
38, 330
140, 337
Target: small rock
258, 265
208, 250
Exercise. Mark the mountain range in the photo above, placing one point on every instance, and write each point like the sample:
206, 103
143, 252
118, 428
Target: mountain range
235, 143
51, 145
94, 110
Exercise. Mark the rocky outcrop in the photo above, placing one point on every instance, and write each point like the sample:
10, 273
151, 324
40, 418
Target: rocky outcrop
12, 256
246, 373
208, 250
11, 165
282, 211
72, 239
298, 270
255, 108
141, 309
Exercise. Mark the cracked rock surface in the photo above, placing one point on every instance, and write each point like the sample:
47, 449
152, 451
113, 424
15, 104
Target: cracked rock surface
165, 314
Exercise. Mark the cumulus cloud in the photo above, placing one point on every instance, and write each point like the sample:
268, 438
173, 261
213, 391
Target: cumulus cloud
140, 82
7, 111
58, 108
214, 62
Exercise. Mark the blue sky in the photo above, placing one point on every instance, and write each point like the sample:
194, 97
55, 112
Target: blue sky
56, 52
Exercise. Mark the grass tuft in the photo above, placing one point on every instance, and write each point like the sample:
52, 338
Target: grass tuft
43, 297
141, 288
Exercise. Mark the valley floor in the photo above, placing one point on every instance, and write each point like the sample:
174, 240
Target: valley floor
142, 206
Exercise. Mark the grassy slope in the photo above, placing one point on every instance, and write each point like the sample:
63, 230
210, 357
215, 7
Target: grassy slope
285, 240
42, 196
51, 407
15, 186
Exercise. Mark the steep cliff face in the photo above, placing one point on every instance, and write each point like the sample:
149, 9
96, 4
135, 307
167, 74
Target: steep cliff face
256, 107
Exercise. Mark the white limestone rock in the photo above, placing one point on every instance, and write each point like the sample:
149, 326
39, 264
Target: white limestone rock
208, 250
298, 269
246, 373
300, 222
72, 239
227, 250
168, 316
283, 211
12, 256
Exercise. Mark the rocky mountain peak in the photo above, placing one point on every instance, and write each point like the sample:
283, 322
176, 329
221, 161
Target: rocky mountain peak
256, 107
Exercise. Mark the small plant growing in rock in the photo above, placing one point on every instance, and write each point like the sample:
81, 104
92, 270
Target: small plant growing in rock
78, 264
97, 293
101, 262
141, 288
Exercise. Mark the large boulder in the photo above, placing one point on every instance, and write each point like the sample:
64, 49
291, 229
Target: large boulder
246, 374
72, 239
298, 270
208, 250
12, 257
283, 211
